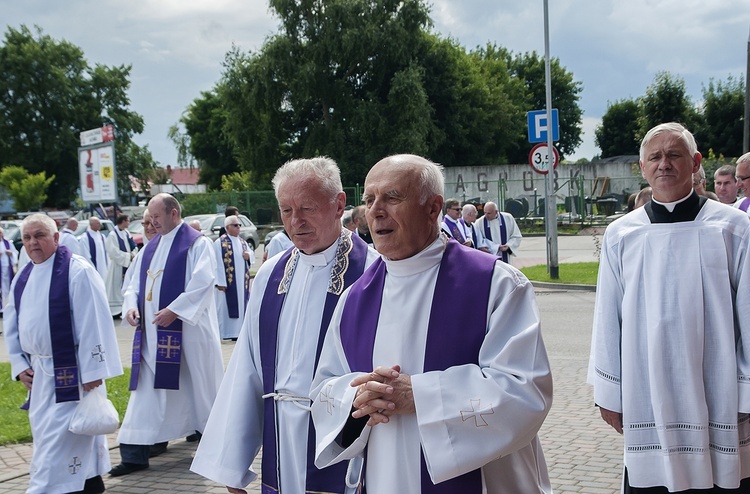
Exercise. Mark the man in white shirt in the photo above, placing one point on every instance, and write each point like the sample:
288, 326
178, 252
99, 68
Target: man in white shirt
8, 261
233, 261
452, 225
92, 247
434, 364
725, 184
67, 236
498, 232
263, 397
669, 352
121, 251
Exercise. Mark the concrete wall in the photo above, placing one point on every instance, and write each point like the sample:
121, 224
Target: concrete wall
483, 183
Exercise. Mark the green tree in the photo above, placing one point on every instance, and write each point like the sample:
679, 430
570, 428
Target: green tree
29, 191
237, 181
666, 100
618, 132
722, 125
48, 95
529, 69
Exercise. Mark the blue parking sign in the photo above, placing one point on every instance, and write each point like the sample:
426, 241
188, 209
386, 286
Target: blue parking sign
537, 121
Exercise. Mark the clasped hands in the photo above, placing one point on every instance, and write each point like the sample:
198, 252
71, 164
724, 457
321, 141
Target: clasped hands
162, 318
382, 393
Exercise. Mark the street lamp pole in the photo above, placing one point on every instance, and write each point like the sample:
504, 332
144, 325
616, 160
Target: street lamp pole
550, 200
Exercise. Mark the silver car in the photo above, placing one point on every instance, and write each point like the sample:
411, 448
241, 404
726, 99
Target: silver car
211, 224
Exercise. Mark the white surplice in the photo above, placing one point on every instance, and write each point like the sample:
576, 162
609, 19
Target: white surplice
234, 433
510, 389
511, 228
279, 243
6, 265
62, 461
101, 252
672, 312
228, 327
118, 260
69, 240
157, 415
23, 259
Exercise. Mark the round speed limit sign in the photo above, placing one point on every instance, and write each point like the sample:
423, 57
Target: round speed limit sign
539, 158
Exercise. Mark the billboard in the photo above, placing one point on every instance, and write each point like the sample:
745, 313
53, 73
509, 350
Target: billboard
96, 168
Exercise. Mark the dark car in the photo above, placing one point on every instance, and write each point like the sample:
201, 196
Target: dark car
212, 223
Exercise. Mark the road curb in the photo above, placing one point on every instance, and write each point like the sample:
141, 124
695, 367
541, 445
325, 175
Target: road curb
563, 286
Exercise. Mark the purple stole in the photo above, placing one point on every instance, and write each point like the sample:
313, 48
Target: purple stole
121, 244
453, 228
10, 269
60, 324
454, 337
168, 338
743, 205
231, 293
92, 248
351, 256
503, 235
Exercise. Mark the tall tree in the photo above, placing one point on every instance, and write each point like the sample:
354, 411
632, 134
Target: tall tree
529, 69
48, 95
618, 132
722, 124
666, 100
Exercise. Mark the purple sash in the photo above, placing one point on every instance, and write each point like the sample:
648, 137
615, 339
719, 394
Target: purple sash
121, 244
453, 228
60, 324
231, 293
453, 337
92, 248
168, 338
744, 204
503, 235
329, 479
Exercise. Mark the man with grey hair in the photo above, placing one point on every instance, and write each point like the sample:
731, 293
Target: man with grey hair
8, 260
234, 257
263, 398
176, 361
725, 184
669, 355
437, 350
742, 174
498, 232
61, 343
67, 236
360, 224
468, 217
93, 248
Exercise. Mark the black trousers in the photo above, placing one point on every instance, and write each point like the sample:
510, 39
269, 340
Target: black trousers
134, 453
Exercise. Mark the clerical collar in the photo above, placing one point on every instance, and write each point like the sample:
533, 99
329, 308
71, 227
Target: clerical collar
685, 209
671, 205
321, 258
422, 261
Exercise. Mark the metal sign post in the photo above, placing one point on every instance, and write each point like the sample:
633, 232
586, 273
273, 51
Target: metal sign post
550, 201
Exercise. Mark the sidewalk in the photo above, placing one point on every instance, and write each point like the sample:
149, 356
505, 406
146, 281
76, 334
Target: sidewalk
583, 454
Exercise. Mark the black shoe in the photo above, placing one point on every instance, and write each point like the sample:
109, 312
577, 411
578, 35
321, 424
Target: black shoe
194, 437
157, 449
127, 468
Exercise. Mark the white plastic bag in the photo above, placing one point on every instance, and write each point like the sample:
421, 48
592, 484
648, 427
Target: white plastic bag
94, 415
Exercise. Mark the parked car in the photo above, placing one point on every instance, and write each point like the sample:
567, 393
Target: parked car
212, 223
136, 231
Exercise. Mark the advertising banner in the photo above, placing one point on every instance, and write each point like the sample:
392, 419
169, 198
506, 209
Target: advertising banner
96, 165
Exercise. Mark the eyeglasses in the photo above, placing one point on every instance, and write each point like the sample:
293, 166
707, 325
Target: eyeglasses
741, 179
146, 223
455, 209
234, 224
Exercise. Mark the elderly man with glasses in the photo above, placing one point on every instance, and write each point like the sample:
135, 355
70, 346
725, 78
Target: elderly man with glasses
452, 224
234, 257
742, 174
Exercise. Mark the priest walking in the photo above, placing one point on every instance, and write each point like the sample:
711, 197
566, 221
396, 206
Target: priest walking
233, 261
439, 399
263, 398
121, 250
177, 363
8, 262
62, 344
92, 247
670, 354
498, 232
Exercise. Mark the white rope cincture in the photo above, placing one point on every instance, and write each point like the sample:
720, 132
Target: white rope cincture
296, 400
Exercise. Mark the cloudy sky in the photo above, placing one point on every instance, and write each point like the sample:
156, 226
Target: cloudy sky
614, 47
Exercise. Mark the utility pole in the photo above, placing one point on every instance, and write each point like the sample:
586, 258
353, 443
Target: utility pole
746, 134
550, 198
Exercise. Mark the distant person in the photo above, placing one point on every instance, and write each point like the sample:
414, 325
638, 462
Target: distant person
8, 262
68, 237
498, 232
452, 222
669, 356
196, 225
742, 174
234, 257
149, 232
699, 181
120, 249
92, 247
347, 221
631, 202
725, 184
278, 243
177, 364
644, 196
62, 344
228, 211
468, 217
359, 219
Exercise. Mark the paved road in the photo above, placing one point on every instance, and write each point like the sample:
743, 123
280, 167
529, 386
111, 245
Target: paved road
583, 454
